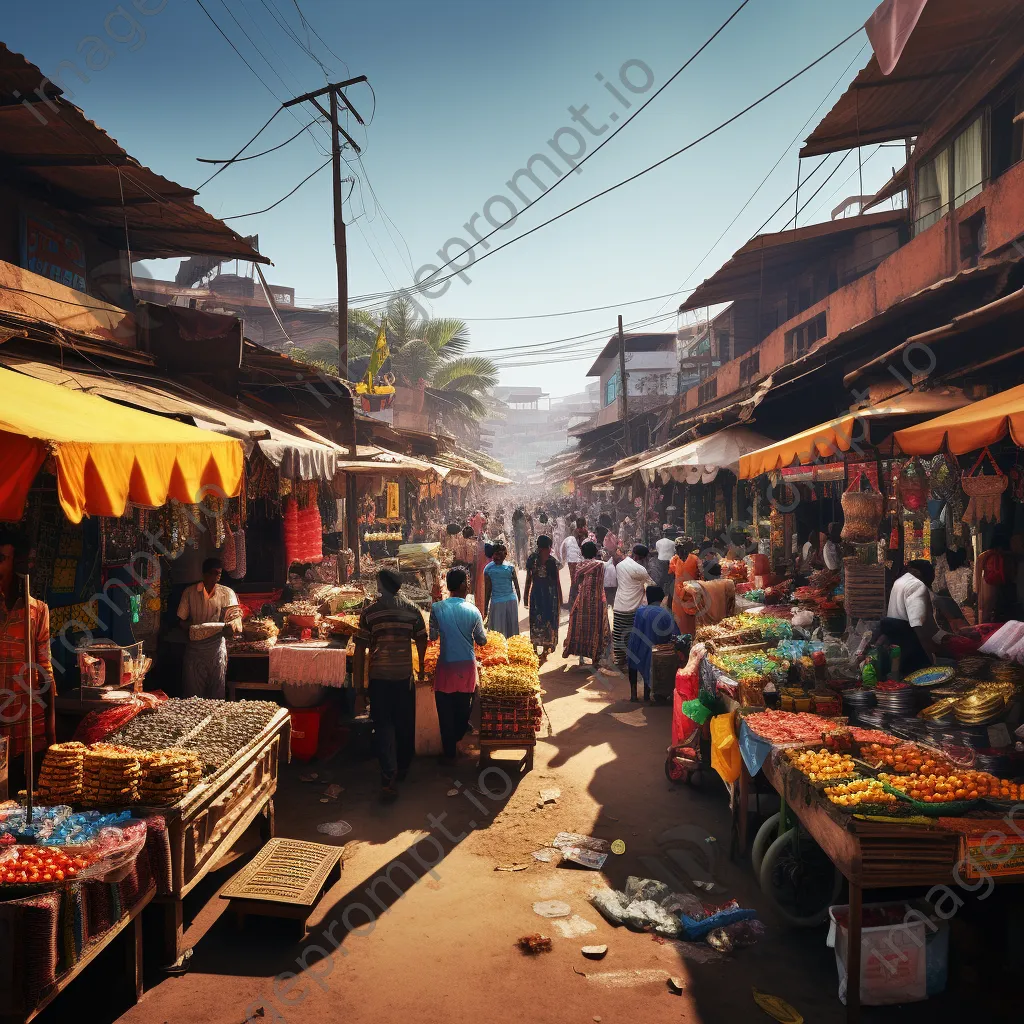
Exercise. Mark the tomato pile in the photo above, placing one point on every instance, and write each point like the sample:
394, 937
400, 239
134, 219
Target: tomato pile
787, 726
965, 785
905, 759
34, 864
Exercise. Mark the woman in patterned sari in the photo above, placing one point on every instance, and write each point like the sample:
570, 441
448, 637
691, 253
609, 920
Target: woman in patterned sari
543, 596
589, 632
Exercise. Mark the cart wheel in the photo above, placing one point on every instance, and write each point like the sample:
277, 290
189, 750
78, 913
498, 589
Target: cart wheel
800, 880
674, 771
766, 835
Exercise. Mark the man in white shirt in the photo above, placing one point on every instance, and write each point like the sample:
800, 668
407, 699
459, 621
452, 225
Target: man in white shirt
206, 660
665, 547
572, 554
909, 621
632, 581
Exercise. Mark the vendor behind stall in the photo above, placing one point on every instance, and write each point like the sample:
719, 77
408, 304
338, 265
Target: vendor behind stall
13, 675
909, 620
206, 660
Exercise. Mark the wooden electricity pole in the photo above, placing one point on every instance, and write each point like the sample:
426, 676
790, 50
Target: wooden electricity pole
624, 389
335, 92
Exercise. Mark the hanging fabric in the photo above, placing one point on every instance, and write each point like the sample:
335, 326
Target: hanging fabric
985, 492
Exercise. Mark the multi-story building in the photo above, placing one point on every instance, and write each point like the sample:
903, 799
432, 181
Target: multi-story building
652, 374
827, 310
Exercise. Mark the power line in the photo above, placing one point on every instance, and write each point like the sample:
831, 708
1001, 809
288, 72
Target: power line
428, 283
604, 142
239, 216
265, 59
310, 28
290, 32
774, 167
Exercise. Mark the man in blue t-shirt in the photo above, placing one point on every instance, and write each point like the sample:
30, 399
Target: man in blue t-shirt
459, 626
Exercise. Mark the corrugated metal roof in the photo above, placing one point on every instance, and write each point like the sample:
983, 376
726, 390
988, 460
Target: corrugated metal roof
781, 254
50, 149
951, 49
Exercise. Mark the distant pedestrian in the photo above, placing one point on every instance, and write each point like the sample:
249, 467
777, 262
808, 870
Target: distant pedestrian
501, 595
572, 556
389, 627
588, 632
459, 626
543, 596
632, 578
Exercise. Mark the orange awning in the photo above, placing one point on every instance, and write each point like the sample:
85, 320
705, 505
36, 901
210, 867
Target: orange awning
839, 435
819, 442
968, 429
106, 454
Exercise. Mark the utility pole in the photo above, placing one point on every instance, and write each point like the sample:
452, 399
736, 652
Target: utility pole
624, 388
335, 92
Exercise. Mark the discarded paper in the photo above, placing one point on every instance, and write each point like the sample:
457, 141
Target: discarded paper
575, 927
552, 908
334, 828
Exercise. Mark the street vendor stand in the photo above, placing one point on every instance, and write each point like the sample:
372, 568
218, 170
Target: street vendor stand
205, 824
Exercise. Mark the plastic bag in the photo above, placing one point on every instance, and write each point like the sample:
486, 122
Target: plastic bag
645, 889
610, 904
736, 936
684, 903
655, 917
1001, 641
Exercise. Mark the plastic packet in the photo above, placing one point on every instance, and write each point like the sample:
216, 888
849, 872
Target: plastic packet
735, 936
654, 917
684, 903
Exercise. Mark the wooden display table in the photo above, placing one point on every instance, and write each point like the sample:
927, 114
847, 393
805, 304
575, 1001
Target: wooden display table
287, 878
871, 855
487, 746
204, 825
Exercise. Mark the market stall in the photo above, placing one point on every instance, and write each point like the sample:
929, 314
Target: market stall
206, 769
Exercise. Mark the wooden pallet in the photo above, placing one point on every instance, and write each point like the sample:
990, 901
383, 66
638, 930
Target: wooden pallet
287, 878
864, 589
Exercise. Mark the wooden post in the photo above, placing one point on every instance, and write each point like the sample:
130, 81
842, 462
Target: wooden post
29, 673
624, 388
340, 241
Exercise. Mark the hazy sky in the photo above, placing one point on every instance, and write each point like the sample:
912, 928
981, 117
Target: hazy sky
466, 91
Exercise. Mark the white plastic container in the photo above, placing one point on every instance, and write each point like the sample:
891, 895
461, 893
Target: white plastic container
904, 962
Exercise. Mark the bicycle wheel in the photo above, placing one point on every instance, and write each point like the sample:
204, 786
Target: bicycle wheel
766, 835
798, 877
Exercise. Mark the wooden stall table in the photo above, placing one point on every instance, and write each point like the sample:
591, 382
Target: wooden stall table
205, 824
248, 670
870, 855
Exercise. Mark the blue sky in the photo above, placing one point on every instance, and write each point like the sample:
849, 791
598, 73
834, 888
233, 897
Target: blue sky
465, 93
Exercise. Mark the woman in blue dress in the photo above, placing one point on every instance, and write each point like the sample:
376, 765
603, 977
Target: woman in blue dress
501, 594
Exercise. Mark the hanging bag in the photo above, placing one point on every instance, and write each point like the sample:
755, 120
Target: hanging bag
862, 512
985, 492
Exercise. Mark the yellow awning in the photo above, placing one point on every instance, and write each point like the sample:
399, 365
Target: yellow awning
970, 428
105, 454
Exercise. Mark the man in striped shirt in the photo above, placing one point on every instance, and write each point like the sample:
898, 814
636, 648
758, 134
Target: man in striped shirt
389, 627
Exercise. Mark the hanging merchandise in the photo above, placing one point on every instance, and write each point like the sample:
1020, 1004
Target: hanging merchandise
917, 537
291, 533
913, 486
227, 556
311, 534
1017, 484
392, 510
239, 570
862, 511
944, 475
985, 492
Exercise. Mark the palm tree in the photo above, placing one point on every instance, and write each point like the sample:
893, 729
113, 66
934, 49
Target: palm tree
432, 353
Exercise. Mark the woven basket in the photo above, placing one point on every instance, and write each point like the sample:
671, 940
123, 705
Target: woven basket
862, 512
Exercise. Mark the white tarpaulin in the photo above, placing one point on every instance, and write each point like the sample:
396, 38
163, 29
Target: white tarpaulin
700, 460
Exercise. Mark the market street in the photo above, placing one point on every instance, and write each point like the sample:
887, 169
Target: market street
445, 949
